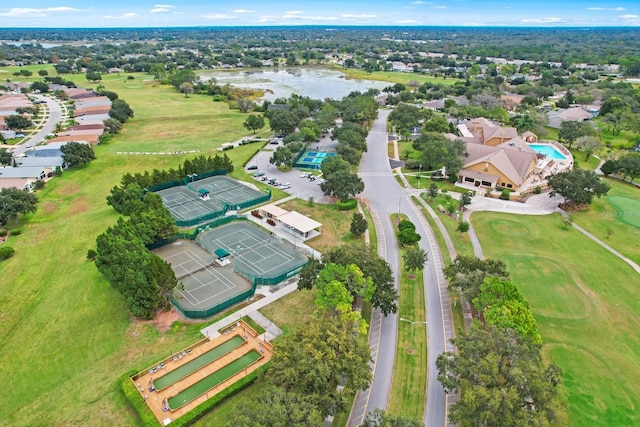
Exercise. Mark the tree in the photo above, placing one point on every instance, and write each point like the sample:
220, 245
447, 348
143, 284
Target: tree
254, 122
14, 202
318, 357
41, 87
17, 121
467, 273
358, 224
414, 259
120, 110
437, 151
186, 88
578, 186
278, 407
570, 131
6, 157
433, 191
93, 76
379, 418
282, 121
43, 73
629, 165
408, 237
588, 144
506, 382
339, 181
75, 153
465, 200
385, 295
609, 167
112, 126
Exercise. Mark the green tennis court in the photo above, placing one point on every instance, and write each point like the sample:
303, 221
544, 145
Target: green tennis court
197, 363
213, 380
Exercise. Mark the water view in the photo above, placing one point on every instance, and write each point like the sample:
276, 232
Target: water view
316, 83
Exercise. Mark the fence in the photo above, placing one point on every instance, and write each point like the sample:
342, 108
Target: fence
268, 279
204, 314
186, 180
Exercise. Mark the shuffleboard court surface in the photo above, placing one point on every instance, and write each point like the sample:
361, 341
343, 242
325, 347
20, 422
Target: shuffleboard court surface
213, 380
192, 366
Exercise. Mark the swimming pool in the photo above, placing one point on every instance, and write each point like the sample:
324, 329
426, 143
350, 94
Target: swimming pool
547, 150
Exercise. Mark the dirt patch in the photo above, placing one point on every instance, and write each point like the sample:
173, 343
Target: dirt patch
79, 205
48, 207
164, 320
69, 188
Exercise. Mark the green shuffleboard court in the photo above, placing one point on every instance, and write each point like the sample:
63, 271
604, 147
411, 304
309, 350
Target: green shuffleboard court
213, 380
197, 363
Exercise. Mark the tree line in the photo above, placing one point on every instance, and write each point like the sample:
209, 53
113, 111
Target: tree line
498, 361
143, 278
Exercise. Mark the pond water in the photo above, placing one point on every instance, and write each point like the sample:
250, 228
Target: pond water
316, 83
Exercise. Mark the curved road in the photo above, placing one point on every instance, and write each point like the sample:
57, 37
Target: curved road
53, 116
384, 196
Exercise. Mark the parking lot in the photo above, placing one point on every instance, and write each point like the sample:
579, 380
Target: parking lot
302, 188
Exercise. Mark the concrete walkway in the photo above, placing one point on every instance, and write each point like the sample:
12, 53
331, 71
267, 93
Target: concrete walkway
270, 294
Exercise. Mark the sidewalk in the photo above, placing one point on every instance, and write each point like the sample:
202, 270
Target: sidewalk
270, 294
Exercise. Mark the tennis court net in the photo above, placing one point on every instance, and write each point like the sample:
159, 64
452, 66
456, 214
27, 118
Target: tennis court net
190, 273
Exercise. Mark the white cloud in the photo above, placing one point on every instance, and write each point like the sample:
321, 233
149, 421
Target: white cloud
294, 12
26, 12
218, 16
542, 21
129, 15
243, 11
349, 16
420, 2
615, 9
629, 16
439, 7
161, 8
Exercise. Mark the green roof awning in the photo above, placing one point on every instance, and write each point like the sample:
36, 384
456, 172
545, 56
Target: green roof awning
221, 253
203, 191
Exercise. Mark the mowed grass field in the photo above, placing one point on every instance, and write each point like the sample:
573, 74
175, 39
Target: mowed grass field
585, 301
65, 333
615, 218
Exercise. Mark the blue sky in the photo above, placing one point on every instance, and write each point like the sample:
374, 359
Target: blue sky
135, 13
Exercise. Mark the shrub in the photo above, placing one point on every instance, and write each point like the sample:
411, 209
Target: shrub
16, 232
537, 190
346, 205
3, 232
91, 254
463, 226
6, 252
136, 400
505, 195
405, 224
408, 237
38, 184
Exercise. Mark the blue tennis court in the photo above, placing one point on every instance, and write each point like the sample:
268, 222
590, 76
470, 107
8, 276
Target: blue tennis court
312, 159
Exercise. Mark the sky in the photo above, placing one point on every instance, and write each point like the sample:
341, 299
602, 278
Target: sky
190, 13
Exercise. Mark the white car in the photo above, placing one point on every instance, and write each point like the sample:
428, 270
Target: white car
304, 174
285, 186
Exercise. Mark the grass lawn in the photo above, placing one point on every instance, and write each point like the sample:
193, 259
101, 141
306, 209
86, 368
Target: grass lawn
65, 332
585, 302
461, 241
619, 212
408, 386
398, 77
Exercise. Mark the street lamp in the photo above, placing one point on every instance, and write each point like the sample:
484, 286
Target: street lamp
412, 325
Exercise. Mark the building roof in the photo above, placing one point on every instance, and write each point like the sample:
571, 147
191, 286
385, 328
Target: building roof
23, 172
43, 152
298, 221
92, 139
273, 210
484, 130
19, 183
41, 162
480, 176
514, 164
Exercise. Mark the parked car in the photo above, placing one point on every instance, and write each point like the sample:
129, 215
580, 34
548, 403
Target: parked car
304, 174
252, 167
265, 177
285, 186
258, 174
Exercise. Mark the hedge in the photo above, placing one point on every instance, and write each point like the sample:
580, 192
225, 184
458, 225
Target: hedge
6, 252
148, 418
347, 205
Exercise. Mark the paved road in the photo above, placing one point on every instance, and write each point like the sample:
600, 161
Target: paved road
53, 116
384, 196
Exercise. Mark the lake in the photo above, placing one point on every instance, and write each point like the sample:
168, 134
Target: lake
315, 83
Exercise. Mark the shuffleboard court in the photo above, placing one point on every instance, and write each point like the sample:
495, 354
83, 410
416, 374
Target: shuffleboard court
255, 252
205, 283
213, 380
192, 366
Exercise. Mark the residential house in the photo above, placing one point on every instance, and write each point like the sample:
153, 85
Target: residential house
574, 114
487, 133
33, 173
25, 184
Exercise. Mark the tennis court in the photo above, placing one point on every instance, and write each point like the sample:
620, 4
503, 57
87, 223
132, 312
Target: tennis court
206, 284
255, 252
312, 159
185, 205
226, 190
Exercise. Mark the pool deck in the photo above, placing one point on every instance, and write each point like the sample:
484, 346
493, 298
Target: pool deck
155, 398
